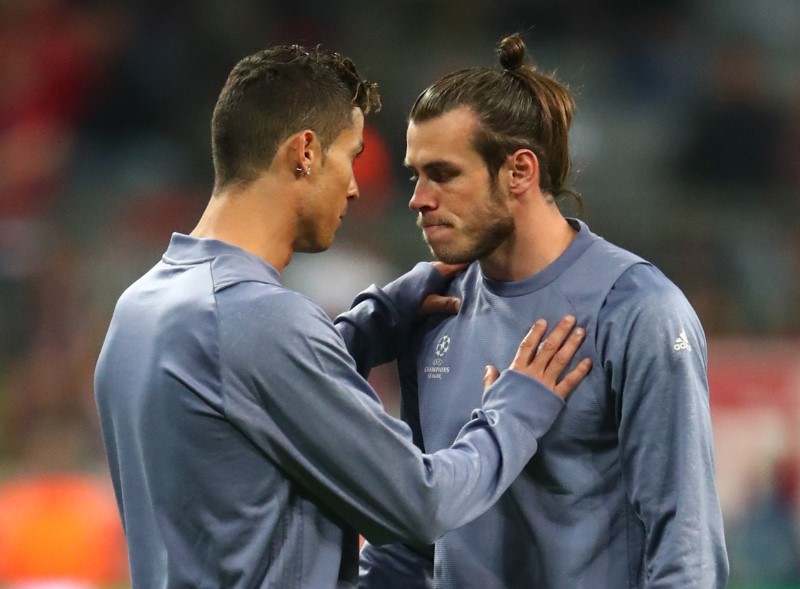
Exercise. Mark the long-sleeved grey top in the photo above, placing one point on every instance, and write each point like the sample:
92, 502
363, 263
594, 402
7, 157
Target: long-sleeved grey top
245, 449
621, 493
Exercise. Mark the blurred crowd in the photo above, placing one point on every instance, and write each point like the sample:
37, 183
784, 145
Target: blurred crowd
686, 149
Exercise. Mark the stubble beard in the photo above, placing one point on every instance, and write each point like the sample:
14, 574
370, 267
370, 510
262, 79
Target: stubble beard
485, 233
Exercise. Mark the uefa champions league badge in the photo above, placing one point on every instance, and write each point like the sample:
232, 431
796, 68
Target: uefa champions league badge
437, 367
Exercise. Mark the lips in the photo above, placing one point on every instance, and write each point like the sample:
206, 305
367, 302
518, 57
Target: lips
427, 223
435, 230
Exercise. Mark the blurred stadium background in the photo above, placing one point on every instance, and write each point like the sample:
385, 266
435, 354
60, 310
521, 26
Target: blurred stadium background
686, 148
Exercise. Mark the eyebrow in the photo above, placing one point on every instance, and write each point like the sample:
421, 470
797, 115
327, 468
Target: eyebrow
440, 165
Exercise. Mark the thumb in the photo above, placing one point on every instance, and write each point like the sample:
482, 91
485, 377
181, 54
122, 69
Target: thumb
434, 304
489, 376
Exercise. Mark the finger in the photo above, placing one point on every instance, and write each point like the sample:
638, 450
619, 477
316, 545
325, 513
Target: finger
564, 355
489, 376
434, 303
572, 378
449, 270
553, 342
527, 347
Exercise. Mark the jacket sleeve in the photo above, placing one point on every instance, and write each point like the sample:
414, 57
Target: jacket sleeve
395, 566
653, 349
293, 390
381, 319
400, 566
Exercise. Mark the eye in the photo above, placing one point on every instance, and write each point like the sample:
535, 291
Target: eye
441, 176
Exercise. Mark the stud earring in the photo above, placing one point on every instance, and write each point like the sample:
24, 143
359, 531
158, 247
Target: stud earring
303, 171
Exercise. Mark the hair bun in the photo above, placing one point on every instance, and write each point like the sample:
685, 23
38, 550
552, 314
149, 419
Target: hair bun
511, 51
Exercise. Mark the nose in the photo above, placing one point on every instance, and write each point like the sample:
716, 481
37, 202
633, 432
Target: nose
352, 189
421, 200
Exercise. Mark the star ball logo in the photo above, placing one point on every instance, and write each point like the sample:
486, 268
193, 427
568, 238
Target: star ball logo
443, 345
437, 369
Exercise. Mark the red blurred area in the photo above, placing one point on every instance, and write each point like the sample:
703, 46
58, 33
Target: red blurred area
373, 172
60, 526
53, 54
755, 408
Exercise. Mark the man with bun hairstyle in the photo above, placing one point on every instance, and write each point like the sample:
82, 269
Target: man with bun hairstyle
245, 449
621, 493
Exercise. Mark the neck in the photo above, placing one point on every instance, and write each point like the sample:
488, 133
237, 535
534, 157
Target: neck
252, 218
541, 235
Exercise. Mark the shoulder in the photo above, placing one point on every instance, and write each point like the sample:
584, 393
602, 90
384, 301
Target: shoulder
646, 312
253, 305
630, 279
643, 288
265, 327
257, 319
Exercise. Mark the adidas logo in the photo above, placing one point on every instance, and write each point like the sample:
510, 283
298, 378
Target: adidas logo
682, 343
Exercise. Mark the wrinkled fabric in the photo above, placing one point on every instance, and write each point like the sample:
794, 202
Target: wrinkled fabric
245, 449
621, 493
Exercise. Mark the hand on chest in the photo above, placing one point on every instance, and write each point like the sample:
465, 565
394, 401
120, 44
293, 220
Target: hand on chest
453, 355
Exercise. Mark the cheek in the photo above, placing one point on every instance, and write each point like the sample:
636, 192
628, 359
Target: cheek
468, 203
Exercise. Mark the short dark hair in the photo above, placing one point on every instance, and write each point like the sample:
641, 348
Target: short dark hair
517, 107
279, 91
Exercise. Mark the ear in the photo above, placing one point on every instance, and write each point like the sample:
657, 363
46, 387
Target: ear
523, 166
304, 149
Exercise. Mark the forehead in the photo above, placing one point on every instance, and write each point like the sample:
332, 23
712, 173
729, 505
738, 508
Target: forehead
448, 136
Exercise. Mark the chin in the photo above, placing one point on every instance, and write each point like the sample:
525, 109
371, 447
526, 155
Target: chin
466, 252
318, 246
313, 244
312, 248
451, 256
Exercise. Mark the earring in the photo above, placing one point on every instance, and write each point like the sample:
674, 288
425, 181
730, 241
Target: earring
303, 171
